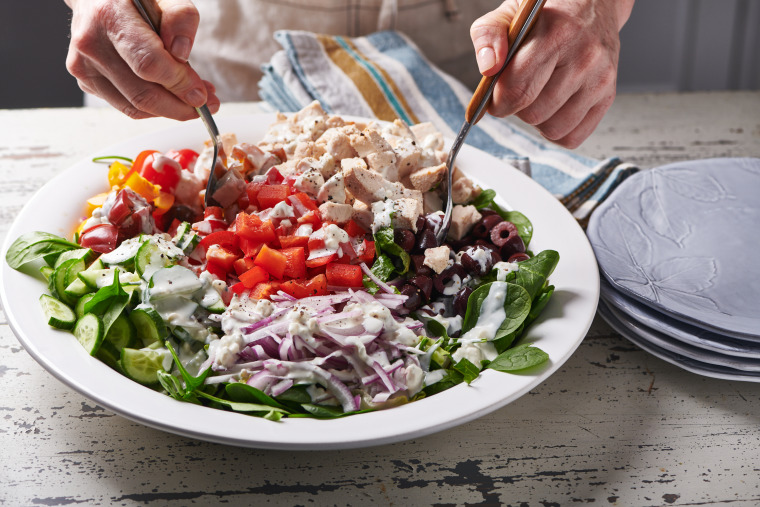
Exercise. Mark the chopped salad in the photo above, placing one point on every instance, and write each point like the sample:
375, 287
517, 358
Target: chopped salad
315, 289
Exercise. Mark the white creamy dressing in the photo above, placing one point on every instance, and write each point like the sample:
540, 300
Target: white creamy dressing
476, 343
481, 256
282, 210
382, 212
504, 268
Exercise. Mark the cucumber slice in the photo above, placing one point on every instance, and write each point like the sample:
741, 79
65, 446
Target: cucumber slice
89, 331
46, 271
143, 365
212, 301
174, 281
124, 254
77, 289
183, 231
122, 333
83, 254
154, 255
110, 355
79, 308
59, 314
60, 279
149, 325
98, 278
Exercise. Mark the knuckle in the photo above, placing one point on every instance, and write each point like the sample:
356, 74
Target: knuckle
532, 115
145, 99
146, 65
133, 112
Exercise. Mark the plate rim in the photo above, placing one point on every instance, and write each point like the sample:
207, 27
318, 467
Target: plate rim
587, 297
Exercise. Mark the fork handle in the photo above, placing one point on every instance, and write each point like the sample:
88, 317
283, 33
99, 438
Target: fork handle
151, 12
484, 89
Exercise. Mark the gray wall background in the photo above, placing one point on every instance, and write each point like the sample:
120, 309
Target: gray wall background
668, 45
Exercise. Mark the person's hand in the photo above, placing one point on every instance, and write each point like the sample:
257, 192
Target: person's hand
562, 79
115, 55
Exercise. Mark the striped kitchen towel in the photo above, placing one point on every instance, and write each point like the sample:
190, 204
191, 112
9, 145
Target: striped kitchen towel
384, 76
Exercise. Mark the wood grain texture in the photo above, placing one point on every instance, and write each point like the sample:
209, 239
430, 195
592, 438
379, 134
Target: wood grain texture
614, 426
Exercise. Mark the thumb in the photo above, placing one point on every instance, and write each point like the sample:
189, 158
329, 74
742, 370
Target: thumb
489, 36
179, 23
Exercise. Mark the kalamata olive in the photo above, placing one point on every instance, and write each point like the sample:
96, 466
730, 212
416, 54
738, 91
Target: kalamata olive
501, 232
487, 212
426, 239
513, 245
460, 300
482, 228
404, 238
420, 224
487, 244
183, 214
414, 297
417, 261
450, 279
519, 257
460, 244
424, 283
477, 260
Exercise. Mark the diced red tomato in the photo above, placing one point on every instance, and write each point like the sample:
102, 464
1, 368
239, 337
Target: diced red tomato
101, 238
213, 211
161, 220
139, 162
172, 230
161, 170
295, 266
254, 276
271, 260
250, 247
252, 227
238, 288
274, 177
252, 190
184, 157
227, 239
242, 265
344, 275
293, 241
217, 270
302, 203
317, 286
321, 261
121, 209
354, 230
271, 195
312, 217
296, 288
264, 290
221, 256
369, 253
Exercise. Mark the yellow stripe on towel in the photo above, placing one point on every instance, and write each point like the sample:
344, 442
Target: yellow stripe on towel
360, 70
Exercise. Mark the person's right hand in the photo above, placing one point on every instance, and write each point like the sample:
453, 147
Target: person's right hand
115, 55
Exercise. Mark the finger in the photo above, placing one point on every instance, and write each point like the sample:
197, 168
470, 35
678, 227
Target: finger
523, 80
102, 87
585, 128
213, 102
563, 83
179, 24
489, 37
145, 96
145, 54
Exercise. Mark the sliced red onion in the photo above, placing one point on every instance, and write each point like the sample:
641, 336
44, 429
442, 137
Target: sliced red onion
281, 386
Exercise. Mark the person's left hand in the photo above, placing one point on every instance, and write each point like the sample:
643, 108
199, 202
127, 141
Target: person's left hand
562, 79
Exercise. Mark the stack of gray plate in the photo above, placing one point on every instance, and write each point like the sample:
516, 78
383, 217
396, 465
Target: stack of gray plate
679, 251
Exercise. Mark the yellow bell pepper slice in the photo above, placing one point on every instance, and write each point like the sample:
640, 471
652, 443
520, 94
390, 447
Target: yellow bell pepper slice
118, 174
143, 187
163, 202
96, 201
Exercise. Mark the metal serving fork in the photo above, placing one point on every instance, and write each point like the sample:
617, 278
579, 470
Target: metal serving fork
519, 28
151, 12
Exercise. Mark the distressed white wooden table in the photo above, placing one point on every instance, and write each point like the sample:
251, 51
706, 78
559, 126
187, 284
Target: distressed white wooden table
614, 426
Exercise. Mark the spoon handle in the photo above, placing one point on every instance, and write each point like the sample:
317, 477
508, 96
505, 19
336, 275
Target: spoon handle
521, 24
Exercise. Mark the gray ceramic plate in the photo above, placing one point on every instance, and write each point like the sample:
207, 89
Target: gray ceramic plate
694, 366
684, 239
676, 329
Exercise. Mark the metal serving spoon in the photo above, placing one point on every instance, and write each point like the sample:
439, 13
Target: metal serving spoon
151, 12
519, 28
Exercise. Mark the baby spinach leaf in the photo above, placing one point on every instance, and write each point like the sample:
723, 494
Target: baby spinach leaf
191, 383
108, 302
519, 358
468, 370
384, 243
34, 245
383, 267
243, 393
451, 379
296, 394
241, 407
516, 307
534, 272
523, 224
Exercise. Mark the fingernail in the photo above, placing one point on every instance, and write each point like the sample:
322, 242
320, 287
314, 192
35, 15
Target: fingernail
486, 59
195, 97
181, 48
